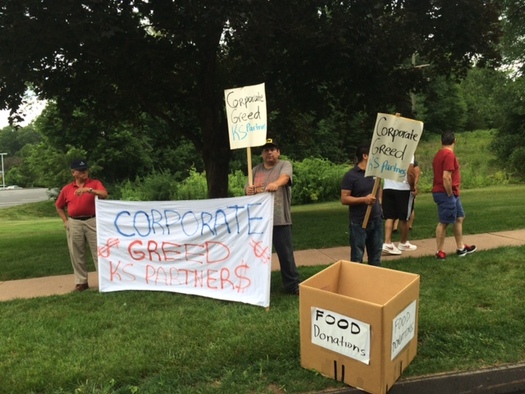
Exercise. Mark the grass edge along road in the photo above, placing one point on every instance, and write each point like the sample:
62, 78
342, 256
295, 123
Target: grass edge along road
472, 315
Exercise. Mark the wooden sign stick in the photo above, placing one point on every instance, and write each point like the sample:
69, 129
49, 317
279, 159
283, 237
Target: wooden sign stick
250, 170
369, 208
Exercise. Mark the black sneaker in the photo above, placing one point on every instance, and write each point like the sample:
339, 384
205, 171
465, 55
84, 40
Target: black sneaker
466, 250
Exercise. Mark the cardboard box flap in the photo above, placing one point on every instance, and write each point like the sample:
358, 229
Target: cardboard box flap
377, 285
327, 279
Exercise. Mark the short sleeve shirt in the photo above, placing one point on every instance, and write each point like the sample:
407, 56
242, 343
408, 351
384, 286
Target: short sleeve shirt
83, 205
445, 160
262, 176
360, 186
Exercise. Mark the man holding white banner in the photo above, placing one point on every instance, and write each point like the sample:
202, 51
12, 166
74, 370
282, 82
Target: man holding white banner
275, 176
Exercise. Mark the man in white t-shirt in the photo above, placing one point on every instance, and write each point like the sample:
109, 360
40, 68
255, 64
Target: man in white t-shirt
397, 201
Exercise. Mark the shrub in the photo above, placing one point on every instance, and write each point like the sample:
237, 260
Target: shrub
236, 183
158, 186
316, 180
194, 187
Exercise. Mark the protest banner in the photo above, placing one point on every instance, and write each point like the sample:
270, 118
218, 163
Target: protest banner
218, 248
247, 120
393, 145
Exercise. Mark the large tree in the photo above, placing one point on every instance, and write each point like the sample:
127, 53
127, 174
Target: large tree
118, 59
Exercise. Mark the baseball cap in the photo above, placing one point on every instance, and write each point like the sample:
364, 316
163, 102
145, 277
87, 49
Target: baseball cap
270, 142
79, 164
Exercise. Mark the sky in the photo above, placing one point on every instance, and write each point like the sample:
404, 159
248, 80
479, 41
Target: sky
33, 110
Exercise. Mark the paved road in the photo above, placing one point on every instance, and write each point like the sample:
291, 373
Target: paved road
9, 198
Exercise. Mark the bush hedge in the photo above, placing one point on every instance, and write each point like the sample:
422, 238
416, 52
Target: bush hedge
315, 180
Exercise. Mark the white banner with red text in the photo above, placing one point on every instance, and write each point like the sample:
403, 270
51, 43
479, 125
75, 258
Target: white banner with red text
219, 248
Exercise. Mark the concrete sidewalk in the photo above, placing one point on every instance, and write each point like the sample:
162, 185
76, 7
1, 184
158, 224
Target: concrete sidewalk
62, 284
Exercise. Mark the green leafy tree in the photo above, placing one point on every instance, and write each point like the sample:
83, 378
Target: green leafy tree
510, 141
445, 107
513, 43
481, 92
116, 60
122, 150
13, 139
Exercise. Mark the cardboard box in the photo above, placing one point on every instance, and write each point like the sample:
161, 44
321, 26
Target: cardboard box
359, 324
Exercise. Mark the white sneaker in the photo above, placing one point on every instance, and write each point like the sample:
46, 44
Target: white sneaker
390, 249
406, 246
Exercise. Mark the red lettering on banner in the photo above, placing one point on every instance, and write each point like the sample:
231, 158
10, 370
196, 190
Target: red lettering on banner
105, 251
136, 255
189, 254
224, 278
169, 248
209, 252
210, 279
198, 279
152, 251
115, 271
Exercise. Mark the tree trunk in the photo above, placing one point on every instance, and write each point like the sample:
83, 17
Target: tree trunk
216, 151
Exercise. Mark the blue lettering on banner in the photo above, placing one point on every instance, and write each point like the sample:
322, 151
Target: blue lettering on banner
154, 222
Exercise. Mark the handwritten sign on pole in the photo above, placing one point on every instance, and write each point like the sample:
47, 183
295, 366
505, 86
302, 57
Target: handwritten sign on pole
218, 248
394, 142
246, 112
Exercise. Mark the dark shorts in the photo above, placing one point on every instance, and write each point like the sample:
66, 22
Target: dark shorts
449, 208
397, 204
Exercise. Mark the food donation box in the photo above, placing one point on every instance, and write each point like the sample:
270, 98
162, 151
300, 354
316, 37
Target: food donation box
359, 324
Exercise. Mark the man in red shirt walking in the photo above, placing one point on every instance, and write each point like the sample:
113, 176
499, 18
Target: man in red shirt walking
78, 199
445, 191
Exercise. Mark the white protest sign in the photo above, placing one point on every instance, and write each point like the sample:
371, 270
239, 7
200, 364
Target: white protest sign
394, 142
246, 112
220, 248
341, 334
403, 329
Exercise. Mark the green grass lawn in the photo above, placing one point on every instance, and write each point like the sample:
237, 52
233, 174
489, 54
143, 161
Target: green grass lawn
472, 314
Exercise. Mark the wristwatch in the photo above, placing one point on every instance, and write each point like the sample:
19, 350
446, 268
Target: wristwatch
90, 190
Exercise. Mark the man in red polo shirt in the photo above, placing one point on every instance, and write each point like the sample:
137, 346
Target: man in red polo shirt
445, 191
78, 199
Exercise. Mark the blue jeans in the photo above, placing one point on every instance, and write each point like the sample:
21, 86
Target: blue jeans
282, 242
370, 239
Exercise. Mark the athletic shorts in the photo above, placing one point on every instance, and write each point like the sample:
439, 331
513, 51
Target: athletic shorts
397, 204
449, 208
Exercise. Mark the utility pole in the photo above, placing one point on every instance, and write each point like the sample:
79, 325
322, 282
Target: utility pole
3, 173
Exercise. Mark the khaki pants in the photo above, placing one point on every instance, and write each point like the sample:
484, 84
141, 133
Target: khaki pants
80, 233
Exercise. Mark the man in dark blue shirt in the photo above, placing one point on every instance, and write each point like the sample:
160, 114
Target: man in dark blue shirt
356, 192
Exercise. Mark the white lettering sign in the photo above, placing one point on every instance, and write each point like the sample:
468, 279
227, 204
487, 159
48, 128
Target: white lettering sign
393, 144
246, 112
341, 334
220, 248
403, 329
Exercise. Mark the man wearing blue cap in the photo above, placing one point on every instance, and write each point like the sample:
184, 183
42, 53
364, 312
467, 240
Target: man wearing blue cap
76, 207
